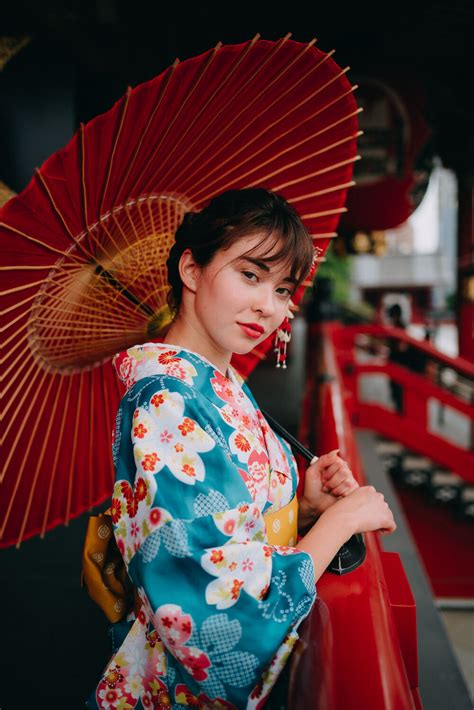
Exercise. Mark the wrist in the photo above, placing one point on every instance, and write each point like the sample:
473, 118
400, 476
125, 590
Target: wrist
306, 508
342, 519
307, 514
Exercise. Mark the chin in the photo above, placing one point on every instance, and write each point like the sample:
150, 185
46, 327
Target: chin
246, 348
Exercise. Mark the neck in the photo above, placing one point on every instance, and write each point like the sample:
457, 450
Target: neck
186, 333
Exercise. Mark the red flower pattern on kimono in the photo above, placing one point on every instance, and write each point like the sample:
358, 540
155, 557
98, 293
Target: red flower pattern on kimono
195, 448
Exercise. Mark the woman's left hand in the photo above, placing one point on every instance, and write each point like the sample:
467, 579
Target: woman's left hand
325, 481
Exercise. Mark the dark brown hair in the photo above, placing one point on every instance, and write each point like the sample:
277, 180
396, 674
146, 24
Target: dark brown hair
234, 214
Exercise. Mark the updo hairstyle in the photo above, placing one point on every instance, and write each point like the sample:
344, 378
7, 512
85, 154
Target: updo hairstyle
238, 213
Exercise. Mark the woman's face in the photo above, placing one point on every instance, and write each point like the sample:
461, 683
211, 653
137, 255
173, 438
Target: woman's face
240, 299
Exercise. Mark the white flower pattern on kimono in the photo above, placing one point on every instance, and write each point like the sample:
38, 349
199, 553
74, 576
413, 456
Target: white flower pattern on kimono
150, 363
183, 422
241, 524
163, 436
247, 565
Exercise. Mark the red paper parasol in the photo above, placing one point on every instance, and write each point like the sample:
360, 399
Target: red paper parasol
83, 248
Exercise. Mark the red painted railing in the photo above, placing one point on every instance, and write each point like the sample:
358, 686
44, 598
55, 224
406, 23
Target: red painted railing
360, 639
413, 426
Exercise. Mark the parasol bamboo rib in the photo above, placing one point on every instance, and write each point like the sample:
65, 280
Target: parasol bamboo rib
147, 126
89, 308
76, 335
314, 155
67, 324
49, 247
25, 267
74, 239
324, 213
329, 235
9, 355
318, 193
86, 309
13, 307
189, 95
224, 127
8, 340
109, 417
310, 137
24, 287
119, 227
92, 468
191, 179
73, 452
215, 118
39, 463
304, 140
290, 148
56, 456
83, 177
132, 223
116, 141
249, 159
12, 322
110, 235
16, 412
15, 444
124, 306
220, 89
208, 102
283, 168
142, 220
326, 169
295, 126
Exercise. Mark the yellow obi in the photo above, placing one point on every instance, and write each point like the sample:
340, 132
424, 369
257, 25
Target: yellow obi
104, 573
282, 526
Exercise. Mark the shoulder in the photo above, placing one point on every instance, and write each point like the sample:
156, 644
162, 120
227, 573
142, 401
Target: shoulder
164, 396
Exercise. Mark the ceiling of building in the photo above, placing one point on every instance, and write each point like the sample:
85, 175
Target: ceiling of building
113, 43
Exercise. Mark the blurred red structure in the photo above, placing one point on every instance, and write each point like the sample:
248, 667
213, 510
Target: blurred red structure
359, 645
447, 382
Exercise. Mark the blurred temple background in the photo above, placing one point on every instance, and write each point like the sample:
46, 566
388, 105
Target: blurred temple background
386, 333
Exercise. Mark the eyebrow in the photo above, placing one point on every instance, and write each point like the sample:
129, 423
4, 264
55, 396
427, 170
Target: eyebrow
262, 265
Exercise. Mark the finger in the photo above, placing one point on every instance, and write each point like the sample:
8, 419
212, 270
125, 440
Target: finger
329, 456
344, 489
335, 480
334, 468
388, 530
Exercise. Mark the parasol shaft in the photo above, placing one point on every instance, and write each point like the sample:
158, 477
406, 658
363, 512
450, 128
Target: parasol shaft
306, 453
100, 271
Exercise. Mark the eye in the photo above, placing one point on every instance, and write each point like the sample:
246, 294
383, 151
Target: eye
284, 291
250, 276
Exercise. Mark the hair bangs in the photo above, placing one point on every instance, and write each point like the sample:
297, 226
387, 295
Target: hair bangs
285, 245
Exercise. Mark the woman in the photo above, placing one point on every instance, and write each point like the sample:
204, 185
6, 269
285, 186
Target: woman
200, 472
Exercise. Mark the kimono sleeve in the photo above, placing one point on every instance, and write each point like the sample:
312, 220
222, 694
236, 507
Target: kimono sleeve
223, 601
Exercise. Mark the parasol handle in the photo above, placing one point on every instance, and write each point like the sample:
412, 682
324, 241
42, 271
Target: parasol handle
352, 553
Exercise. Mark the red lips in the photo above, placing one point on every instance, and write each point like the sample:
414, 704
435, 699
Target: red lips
253, 330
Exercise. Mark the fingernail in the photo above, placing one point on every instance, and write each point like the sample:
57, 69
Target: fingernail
313, 460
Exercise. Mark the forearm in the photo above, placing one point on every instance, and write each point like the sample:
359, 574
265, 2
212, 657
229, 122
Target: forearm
307, 514
323, 540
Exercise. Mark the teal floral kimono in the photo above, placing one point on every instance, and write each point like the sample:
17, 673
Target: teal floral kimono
197, 466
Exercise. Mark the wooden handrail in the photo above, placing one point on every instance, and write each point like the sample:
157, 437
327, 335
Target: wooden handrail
360, 639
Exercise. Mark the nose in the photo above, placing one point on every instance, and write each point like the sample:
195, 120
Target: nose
264, 301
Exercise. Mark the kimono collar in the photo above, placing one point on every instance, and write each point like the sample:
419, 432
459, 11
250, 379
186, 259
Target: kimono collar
151, 359
228, 392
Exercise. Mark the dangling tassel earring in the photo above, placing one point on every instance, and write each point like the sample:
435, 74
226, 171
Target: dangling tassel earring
282, 338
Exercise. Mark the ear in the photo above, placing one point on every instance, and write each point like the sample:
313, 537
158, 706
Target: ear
189, 270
